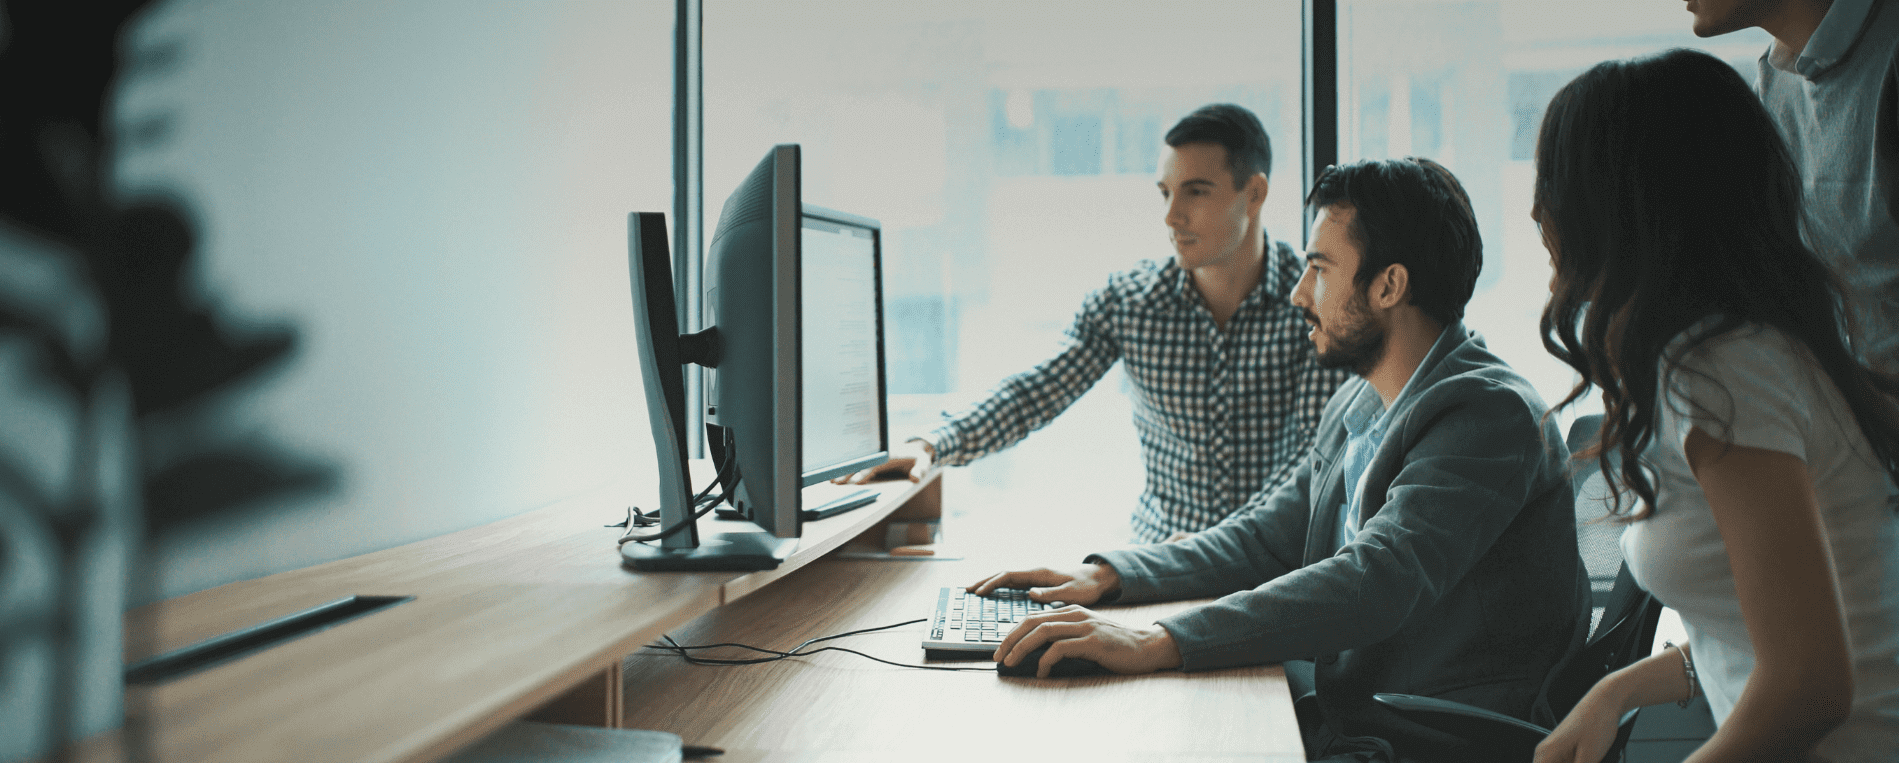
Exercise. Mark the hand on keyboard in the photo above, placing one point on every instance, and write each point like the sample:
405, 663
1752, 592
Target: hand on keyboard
1084, 585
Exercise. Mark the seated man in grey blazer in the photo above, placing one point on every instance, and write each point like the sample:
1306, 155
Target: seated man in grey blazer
1427, 543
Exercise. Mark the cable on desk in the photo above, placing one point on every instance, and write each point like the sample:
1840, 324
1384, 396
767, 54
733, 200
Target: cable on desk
702, 504
685, 652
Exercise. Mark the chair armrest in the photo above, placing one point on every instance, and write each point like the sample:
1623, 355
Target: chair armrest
1498, 733
1495, 733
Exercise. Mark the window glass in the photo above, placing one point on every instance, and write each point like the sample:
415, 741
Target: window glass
1009, 149
1466, 83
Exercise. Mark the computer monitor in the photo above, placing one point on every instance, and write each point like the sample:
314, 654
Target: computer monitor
793, 363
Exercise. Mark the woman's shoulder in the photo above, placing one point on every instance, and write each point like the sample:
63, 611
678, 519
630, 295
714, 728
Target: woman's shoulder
1751, 384
1719, 349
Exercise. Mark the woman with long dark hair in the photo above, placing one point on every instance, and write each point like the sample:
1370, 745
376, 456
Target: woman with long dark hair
1752, 451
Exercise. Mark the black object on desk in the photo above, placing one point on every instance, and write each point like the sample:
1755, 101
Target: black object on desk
245, 641
840, 505
726, 552
831, 508
1067, 667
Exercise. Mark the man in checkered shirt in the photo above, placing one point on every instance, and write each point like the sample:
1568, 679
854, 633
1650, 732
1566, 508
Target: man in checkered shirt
1228, 390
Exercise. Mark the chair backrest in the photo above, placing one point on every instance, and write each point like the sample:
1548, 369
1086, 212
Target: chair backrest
1598, 537
1624, 627
1582, 434
1625, 634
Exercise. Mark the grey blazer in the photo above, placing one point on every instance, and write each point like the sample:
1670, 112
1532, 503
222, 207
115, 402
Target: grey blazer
1464, 582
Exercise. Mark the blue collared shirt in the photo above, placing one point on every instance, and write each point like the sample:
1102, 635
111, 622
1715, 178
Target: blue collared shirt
1364, 431
1831, 41
1827, 102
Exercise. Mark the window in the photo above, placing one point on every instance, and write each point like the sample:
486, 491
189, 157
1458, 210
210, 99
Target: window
1010, 151
1466, 83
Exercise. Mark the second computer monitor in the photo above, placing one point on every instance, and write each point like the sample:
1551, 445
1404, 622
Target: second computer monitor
842, 349
797, 396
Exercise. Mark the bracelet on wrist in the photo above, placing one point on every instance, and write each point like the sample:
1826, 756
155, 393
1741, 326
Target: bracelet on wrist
1688, 669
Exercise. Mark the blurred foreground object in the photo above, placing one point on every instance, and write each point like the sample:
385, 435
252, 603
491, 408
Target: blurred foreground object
108, 376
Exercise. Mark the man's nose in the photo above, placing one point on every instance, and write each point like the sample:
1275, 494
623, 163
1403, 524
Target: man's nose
1302, 291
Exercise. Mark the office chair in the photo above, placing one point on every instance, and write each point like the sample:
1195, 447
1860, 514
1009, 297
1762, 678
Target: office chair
1623, 631
1598, 539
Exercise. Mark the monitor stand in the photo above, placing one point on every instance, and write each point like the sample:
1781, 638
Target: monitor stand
721, 552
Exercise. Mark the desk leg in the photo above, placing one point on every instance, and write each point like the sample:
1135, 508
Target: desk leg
597, 701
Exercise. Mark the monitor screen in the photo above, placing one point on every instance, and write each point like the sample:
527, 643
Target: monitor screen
841, 347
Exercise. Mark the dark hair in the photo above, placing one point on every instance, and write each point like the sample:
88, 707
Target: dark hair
1248, 150
1409, 212
1671, 198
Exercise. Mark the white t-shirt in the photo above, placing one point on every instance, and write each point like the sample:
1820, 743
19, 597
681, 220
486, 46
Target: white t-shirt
1763, 390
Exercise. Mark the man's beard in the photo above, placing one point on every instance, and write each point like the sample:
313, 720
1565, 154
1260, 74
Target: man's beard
1359, 344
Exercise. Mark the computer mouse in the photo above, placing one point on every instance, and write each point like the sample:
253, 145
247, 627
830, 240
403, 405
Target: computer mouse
1068, 667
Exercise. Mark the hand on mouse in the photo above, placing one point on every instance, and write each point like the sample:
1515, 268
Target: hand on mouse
1084, 585
912, 458
1078, 632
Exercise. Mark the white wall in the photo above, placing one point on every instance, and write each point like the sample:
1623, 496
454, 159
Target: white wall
435, 192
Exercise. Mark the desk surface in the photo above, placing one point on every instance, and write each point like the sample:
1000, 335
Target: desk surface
836, 706
506, 617
511, 615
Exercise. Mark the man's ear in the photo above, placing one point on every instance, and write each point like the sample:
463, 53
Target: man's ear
1256, 188
1391, 288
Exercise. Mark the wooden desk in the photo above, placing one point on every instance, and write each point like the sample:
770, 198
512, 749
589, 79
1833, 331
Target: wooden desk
530, 612
836, 706
532, 617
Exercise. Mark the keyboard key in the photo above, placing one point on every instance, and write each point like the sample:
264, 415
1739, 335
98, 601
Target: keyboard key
965, 618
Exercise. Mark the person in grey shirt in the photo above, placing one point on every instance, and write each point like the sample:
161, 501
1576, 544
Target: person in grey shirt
1427, 542
1830, 82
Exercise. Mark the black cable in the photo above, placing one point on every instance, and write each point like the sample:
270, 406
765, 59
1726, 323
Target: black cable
781, 655
636, 518
700, 502
697, 515
798, 651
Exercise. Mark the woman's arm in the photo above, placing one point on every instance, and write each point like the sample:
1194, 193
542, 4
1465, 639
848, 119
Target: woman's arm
1802, 684
1585, 734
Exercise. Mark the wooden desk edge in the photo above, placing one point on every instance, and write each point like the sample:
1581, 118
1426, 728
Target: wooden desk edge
911, 501
603, 692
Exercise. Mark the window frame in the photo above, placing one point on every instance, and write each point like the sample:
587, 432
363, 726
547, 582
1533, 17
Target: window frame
1319, 102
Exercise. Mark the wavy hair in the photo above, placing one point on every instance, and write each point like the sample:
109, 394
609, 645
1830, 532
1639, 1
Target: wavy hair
1670, 198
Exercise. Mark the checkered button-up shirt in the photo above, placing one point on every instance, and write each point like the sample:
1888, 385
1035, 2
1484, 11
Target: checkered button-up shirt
1222, 415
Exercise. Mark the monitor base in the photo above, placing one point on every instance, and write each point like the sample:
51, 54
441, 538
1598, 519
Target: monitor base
724, 552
